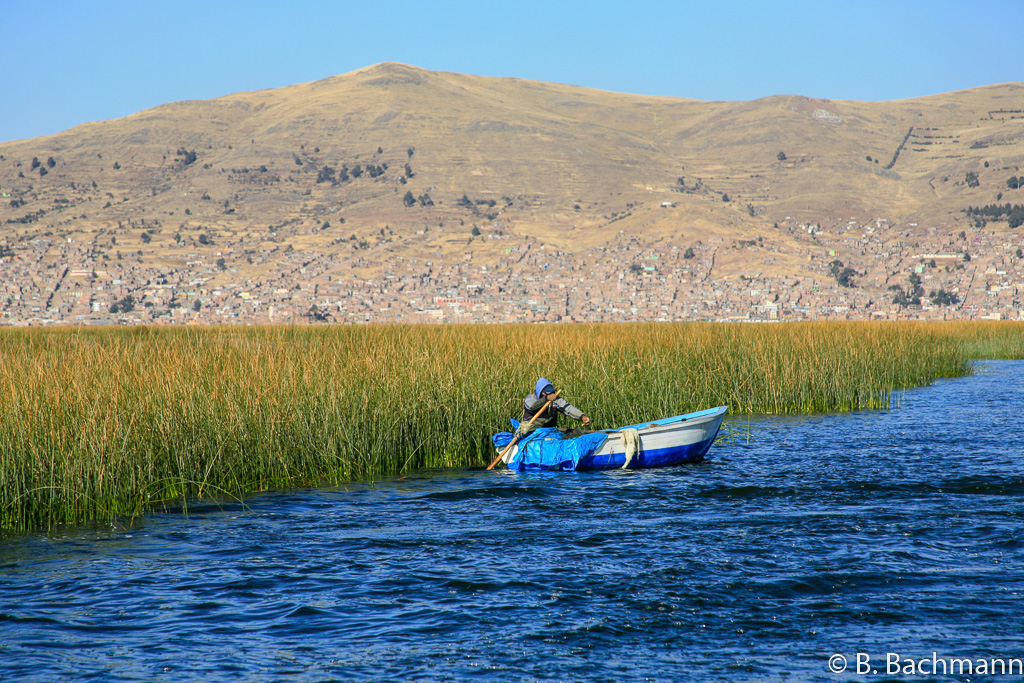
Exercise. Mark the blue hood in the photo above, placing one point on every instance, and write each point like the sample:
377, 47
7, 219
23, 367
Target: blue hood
541, 385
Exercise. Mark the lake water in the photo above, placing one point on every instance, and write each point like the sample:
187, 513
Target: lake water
882, 533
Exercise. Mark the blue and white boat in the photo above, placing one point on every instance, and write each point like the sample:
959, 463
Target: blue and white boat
678, 440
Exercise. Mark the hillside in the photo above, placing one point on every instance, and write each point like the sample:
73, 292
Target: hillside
354, 174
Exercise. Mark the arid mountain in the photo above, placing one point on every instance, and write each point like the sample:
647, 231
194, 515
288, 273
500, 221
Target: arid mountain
393, 161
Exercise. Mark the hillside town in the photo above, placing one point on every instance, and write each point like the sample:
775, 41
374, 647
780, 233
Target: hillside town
851, 269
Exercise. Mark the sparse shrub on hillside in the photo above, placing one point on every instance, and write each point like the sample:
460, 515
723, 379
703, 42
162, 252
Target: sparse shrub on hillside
408, 171
476, 231
326, 175
27, 218
971, 178
843, 275
125, 305
912, 295
204, 239
725, 197
1014, 183
781, 156
425, 200
688, 254
186, 157
896, 154
35, 163
465, 202
944, 298
409, 199
51, 162
117, 166
1013, 213
904, 299
317, 315
410, 151
146, 239
357, 170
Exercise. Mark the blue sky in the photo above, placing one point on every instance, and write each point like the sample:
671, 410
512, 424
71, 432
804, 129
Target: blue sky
71, 61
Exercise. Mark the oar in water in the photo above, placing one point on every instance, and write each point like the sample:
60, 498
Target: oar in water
515, 439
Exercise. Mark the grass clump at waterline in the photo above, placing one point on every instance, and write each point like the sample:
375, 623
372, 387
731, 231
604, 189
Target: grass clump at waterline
101, 423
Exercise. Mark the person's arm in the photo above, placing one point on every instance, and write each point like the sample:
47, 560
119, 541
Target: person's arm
569, 410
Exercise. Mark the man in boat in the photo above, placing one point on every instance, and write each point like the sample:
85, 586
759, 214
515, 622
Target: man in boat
533, 403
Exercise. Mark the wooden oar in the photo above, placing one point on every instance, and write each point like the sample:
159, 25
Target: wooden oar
515, 439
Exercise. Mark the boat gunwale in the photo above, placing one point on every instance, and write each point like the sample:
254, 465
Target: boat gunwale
671, 423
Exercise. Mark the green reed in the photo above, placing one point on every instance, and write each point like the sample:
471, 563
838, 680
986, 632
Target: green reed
101, 423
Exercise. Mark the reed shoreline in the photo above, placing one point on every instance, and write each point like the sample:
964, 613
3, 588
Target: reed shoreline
114, 422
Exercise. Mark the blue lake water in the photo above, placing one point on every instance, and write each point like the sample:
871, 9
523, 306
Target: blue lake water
895, 532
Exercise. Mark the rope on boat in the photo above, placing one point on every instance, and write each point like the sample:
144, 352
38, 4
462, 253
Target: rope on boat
631, 440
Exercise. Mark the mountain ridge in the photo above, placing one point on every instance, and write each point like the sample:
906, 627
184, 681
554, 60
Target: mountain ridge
392, 161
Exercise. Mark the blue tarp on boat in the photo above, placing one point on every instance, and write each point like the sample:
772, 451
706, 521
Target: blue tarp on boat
548, 449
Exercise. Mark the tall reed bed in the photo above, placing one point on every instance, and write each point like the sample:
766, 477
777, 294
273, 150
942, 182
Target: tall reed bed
113, 422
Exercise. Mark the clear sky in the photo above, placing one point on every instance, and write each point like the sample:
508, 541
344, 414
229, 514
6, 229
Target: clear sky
66, 62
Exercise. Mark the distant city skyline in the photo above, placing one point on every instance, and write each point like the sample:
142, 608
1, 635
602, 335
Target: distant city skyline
70, 63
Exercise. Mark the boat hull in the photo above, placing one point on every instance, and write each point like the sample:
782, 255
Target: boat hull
679, 440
